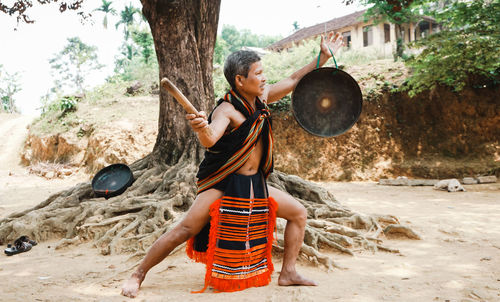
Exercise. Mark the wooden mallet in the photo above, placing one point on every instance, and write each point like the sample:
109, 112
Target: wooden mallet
177, 94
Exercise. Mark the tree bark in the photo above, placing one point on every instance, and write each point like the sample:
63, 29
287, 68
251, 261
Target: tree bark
184, 34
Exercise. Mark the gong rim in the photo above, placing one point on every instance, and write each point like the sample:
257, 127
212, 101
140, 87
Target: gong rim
334, 91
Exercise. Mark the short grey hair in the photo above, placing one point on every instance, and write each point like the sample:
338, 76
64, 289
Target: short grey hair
238, 63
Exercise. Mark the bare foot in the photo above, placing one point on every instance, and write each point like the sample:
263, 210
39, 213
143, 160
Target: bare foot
131, 287
293, 278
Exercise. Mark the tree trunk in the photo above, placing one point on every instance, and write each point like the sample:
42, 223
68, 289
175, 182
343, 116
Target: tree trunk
399, 43
184, 34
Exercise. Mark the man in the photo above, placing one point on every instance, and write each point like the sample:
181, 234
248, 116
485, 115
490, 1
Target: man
231, 186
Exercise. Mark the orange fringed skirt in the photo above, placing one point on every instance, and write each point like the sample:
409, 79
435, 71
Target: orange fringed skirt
236, 245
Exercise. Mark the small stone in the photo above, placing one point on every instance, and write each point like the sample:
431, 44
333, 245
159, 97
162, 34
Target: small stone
393, 182
485, 259
422, 182
469, 181
487, 179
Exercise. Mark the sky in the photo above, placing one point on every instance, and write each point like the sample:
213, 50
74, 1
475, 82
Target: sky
28, 49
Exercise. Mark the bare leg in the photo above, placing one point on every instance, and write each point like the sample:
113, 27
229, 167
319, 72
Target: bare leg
296, 216
196, 218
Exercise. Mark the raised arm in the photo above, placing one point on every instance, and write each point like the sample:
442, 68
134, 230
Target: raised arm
275, 92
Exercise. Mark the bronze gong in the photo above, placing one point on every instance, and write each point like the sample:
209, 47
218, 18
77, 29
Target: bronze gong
327, 102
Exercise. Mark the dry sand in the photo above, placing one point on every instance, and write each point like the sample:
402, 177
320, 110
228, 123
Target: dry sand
457, 260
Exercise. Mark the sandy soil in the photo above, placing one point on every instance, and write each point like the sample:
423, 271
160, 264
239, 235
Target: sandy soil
457, 260
19, 189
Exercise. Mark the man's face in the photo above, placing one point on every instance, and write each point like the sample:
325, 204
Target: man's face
254, 83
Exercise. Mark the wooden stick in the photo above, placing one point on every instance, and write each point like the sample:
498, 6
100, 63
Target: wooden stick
177, 94
185, 103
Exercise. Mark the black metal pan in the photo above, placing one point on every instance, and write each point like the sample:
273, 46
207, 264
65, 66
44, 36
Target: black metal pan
112, 180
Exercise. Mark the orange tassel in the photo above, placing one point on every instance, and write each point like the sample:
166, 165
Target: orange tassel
273, 209
212, 241
222, 285
193, 254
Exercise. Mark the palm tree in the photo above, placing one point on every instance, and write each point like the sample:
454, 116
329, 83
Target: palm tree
127, 18
106, 9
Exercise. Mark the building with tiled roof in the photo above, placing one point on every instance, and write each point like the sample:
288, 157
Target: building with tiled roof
359, 34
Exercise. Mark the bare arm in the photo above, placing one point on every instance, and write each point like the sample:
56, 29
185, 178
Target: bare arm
275, 92
220, 121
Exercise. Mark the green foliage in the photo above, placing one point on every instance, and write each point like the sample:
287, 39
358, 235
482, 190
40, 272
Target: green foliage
400, 48
279, 65
60, 105
394, 11
73, 63
355, 57
221, 86
144, 40
465, 52
231, 40
67, 103
282, 105
221, 51
9, 86
127, 19
136, 69
138, 58
54, 121
58, 115
140, 44
4, 100
113, 88
106, 9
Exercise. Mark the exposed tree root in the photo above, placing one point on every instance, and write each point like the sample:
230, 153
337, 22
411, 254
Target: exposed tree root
158, 199
331, 225
401, 230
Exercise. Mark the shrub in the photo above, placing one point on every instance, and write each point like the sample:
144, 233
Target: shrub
464, 53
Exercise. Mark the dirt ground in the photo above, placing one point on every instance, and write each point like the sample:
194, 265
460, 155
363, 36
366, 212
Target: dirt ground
18, 188
458, 258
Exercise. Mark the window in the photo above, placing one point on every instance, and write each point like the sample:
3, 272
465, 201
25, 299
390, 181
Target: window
346, 37
387, 33
367, 36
